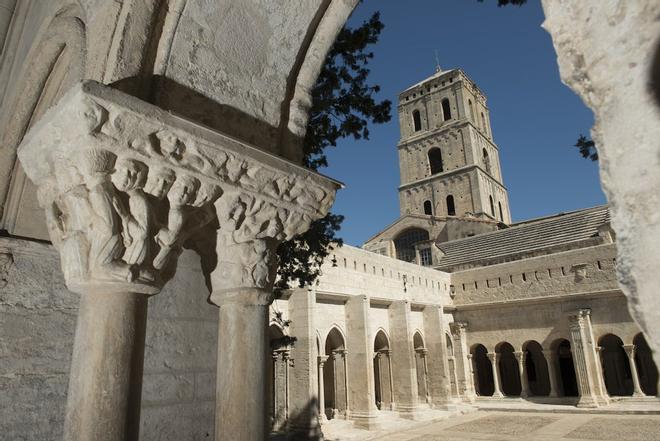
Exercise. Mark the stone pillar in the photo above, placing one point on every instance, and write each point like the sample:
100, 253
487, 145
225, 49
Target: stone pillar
464, 380
630, 352
403, 361
522, 368
378, 361
438, 367
118, 210
323, 417
339, 366
422, 373
390, 378
494, 361
124, 184
360, 363
473, 390
582, 349
304, 385
551, 360
601, 372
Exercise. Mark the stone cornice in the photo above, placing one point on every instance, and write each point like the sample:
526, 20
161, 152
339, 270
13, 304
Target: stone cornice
92, 115
515, 303
448, 174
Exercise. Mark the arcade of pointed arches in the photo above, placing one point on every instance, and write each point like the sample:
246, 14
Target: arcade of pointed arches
537, 371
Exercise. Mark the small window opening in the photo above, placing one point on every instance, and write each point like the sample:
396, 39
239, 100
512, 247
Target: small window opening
492, 206
446, 109
428, 208
435, 160
417, 121
451, 208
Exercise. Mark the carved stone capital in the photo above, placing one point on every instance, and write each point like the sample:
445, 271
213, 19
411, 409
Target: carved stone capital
124, 184
458, 328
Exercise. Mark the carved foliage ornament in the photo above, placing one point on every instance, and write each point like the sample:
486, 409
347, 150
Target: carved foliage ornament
124, 184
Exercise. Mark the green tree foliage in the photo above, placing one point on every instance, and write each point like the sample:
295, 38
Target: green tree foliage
343, 104
508, 2
587, 148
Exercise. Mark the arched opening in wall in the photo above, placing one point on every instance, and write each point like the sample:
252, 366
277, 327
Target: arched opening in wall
616, 367
446, 109
277, 377
417, 120
382, 371
57, 62
646, 368
451, 362
451, 208
428, 208
486, 159
499, 205
492, 206
536, 369
474, 121
421, 368
405, 243
566, 369
483, 371
334, 375
509, 371
435, 161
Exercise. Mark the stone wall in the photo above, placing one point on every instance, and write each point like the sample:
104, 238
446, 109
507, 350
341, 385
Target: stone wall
583, 270
37, 322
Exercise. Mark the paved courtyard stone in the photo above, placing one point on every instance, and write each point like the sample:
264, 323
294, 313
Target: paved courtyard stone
504, 424
629, 429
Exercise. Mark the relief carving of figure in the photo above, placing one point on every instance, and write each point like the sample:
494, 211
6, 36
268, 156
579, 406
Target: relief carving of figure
182, 193
159, 181
104, 234
130, 177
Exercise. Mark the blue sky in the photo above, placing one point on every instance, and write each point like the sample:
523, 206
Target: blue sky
535, 118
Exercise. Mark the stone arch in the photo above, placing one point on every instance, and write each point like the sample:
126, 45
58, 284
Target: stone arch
404, 243
483, 371
616, 368
436, 165
565, 368
428, 208
536, 368
508, 369
382, 370
421, 367
446, 109
417, 120
451, 206
334, 374
57, 62
646, 368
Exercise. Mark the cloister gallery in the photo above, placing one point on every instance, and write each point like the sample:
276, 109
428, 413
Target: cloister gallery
149, 168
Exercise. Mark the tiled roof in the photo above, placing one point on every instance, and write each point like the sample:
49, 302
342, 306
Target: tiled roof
524, 237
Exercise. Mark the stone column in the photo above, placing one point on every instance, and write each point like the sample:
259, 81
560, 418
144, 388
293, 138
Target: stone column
464, 380
585, 368
323, 417
550, 358
494, 361
473, 390
360, 363
124, 184
522, 368
303, 387
438, 367
425, 370
378, 361
403, 359
630, 351
118, 210
276, 379
601, 372
344, 356
390, 378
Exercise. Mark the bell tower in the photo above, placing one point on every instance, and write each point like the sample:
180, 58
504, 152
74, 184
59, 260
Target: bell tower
449, 163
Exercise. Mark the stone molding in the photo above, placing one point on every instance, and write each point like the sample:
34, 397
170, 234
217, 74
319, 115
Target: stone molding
124, 184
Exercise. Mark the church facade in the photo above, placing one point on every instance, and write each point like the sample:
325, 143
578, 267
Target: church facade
453, 303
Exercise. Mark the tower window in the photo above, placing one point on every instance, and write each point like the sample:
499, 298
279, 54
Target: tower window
451, 209
435, 160
471, 110
483, 123
486, 160
446, 109
428, 208
499, 204
417, 121
492, 206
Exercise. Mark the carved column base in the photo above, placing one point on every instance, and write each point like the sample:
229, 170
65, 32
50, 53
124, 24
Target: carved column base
106, 370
